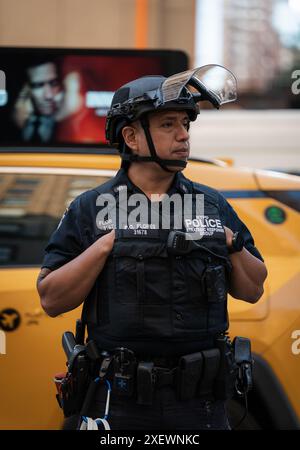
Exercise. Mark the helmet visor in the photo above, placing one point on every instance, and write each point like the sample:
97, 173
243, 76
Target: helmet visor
213, 82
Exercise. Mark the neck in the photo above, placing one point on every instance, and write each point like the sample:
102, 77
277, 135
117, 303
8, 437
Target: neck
150, 178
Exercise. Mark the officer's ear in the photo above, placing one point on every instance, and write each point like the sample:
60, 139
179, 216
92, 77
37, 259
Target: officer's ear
130, 136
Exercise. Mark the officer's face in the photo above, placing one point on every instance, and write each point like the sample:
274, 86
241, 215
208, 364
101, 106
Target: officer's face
169, 131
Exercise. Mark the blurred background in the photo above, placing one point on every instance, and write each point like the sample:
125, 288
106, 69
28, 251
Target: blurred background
258, 40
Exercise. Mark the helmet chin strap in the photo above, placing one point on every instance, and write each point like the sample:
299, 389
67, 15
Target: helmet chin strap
153, 158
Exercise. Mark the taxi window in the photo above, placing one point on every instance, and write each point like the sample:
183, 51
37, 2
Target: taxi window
31, 206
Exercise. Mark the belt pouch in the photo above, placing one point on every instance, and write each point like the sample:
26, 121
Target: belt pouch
189, 374
211, 362
145, 383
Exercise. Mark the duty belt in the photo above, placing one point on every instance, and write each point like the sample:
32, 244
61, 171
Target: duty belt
194, 375
213, 372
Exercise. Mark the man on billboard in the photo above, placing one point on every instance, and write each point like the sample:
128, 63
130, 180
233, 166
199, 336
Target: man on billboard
39, 102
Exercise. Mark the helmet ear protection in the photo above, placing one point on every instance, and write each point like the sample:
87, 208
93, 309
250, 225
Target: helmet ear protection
182, 91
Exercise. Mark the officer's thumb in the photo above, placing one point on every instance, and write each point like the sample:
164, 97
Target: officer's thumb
111, 236
107, 241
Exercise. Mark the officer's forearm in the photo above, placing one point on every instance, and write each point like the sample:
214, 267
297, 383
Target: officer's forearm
247, 276
67, 287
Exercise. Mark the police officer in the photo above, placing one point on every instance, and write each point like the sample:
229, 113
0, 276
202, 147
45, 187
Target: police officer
157, 291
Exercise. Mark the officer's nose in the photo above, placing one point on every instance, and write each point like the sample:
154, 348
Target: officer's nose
182, 133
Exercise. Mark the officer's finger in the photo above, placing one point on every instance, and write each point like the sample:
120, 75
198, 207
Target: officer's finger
109, 236
107, 241
229, 234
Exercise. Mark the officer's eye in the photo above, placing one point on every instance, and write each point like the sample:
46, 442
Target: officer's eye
167, 124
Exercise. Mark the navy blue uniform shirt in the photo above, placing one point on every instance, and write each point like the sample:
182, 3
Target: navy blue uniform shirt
77, 228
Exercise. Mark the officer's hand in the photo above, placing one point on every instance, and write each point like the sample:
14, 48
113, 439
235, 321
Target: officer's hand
229, 234
107, 242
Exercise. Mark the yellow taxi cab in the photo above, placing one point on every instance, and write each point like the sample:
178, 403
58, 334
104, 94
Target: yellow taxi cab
36, 187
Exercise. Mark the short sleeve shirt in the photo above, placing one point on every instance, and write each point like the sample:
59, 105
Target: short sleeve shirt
76, 230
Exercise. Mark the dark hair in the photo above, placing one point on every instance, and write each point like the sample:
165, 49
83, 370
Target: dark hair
40, 59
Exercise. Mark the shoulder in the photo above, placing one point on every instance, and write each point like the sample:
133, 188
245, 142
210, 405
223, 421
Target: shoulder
88, 198
107, 187
112, 185
209, 192
85, 207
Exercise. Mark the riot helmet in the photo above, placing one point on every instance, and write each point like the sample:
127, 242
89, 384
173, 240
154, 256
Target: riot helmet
183, 91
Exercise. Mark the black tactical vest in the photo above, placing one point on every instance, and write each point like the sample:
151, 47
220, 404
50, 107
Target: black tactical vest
150, 300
